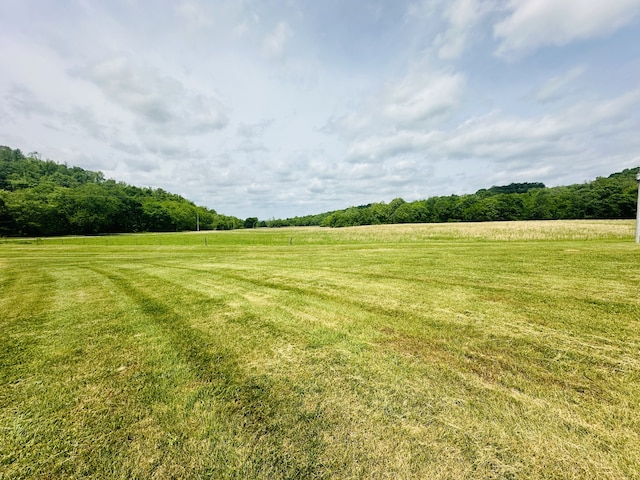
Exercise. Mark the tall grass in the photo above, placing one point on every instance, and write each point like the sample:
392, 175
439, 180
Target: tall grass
404, 233
435, 351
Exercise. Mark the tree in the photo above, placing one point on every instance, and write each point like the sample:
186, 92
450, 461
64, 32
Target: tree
405, 213
251, 222
7, 224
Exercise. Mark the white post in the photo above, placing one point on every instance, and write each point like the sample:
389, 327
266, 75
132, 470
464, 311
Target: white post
197, 222
638, 211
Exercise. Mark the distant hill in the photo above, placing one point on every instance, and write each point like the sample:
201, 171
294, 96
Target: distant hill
41, 197
613, 197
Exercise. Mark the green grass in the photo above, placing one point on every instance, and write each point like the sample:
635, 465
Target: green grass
419, 351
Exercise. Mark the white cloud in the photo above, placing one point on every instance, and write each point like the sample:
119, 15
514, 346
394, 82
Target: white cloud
194, 14
180, 96
496, 137
24, 101
380, 147
422, 9
420, 99
159, 102
499, 147
503, 138
554, 87
275, 42
253, 130
536, 23
462, 16
251, 147
166, 147
241, 29
607, 116
89, 124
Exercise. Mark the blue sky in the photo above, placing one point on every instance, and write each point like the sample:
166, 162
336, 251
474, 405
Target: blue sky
281, 108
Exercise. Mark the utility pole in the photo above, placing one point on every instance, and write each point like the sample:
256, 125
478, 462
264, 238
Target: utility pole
638, 211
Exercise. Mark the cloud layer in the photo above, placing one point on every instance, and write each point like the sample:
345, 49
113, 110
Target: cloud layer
536, 23
284, 109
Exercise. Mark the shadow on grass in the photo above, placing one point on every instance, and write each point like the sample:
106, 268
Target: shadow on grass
256, 407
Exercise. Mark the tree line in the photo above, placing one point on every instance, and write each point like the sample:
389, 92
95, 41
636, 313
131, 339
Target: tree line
39, 198
612, 197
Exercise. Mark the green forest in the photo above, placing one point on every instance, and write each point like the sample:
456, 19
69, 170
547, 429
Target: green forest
613, 197
44, 198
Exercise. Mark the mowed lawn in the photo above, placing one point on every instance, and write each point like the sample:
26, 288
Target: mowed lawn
508, 350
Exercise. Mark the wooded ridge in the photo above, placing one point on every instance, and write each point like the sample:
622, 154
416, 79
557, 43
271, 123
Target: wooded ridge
41, 197
613, 197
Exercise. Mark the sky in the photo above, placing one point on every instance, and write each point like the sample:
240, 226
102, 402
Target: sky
282, 108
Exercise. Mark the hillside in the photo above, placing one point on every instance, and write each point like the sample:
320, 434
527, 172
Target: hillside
39, 198
613, 197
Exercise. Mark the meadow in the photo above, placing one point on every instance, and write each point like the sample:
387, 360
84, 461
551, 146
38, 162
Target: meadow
497, 350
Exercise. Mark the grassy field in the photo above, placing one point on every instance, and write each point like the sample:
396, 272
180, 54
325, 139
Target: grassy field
504, 350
